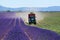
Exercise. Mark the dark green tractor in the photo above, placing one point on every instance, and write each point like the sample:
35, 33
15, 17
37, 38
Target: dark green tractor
32, 19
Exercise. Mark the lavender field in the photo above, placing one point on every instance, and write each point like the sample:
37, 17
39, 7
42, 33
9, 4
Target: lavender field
14, 28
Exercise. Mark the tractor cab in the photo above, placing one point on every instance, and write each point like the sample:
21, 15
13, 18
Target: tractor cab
31, 18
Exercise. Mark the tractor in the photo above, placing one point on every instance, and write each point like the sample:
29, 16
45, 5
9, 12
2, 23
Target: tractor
31, 18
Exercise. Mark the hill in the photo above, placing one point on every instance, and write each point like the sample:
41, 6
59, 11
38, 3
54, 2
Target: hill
52, 8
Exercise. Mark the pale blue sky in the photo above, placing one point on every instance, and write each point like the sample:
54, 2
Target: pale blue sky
29, 3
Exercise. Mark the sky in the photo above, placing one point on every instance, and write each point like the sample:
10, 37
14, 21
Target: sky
29, 3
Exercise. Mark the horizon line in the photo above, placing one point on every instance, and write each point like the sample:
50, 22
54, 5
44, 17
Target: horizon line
30, 7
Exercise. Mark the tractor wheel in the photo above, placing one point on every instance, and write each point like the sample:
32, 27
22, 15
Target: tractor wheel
35, 23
